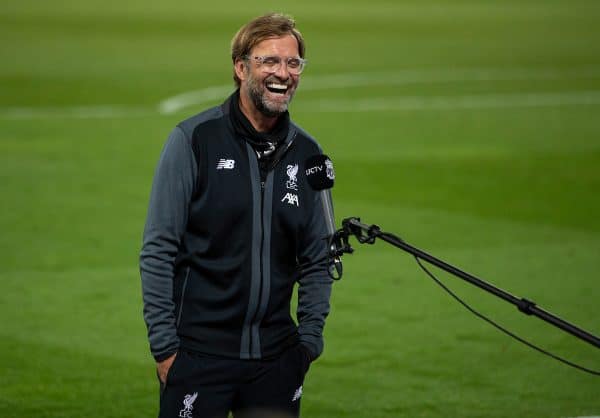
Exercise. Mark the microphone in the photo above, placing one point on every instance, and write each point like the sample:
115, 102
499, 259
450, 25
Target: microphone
319, 172
320, 175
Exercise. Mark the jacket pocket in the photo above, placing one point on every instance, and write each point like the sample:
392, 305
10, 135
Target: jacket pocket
295, 360
171, 371
182, 297
169, 376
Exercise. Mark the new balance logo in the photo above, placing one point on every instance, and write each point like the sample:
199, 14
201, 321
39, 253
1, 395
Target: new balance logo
225, 164
297, 394
291, 199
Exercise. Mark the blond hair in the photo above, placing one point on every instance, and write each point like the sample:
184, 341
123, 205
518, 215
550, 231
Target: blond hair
257, 30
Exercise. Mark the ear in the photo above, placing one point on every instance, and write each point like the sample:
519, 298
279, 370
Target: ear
240, 68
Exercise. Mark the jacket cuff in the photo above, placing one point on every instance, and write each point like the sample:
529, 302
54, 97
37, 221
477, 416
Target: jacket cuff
311, 351
163, 356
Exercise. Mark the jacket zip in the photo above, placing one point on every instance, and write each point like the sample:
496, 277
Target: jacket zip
187, 274
257, 307
255, 279
260, 256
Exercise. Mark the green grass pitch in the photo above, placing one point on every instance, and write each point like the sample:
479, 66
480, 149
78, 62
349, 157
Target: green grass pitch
469, 128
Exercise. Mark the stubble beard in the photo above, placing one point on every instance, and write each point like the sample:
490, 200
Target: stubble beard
258, 94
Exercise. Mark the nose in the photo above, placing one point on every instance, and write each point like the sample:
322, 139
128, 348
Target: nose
282, 72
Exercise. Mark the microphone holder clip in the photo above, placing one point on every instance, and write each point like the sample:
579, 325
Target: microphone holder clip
340, 245
363, 235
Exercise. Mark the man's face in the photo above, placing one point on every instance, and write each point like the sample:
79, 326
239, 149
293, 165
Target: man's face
271, 92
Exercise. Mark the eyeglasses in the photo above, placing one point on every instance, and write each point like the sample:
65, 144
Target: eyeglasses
272, 63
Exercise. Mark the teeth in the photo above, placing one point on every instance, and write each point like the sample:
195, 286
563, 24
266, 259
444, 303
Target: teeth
277, 86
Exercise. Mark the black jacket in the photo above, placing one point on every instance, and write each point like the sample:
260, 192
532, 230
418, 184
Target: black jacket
222, 249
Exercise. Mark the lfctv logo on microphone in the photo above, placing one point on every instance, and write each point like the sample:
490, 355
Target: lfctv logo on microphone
320, 174
313, 170
328, 165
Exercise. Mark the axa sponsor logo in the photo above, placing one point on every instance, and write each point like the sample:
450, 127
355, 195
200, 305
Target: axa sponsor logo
225, 164
291, 199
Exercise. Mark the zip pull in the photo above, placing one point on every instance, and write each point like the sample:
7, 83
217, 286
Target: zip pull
262, 185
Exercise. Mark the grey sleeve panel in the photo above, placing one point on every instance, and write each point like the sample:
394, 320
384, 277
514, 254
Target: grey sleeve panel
172, 188
314, 288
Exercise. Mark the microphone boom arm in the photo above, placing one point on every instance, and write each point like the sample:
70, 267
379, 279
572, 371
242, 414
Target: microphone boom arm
366, 234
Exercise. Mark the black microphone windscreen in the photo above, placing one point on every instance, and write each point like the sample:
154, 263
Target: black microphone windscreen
319, 172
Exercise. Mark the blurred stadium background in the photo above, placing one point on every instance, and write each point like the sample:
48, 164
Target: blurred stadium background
469, 128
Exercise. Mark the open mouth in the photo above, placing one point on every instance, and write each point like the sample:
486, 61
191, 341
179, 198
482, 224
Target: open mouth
277, 88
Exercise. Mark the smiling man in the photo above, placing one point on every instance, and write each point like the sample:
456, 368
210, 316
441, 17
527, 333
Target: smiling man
269, 83
232, 225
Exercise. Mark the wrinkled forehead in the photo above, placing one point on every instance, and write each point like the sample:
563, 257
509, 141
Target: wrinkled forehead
282, 46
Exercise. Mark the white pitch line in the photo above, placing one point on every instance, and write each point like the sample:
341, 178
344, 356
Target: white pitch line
481, 101
195, 97
403, 77
351, 80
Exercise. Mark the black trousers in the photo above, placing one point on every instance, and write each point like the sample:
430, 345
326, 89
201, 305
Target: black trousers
200, 386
